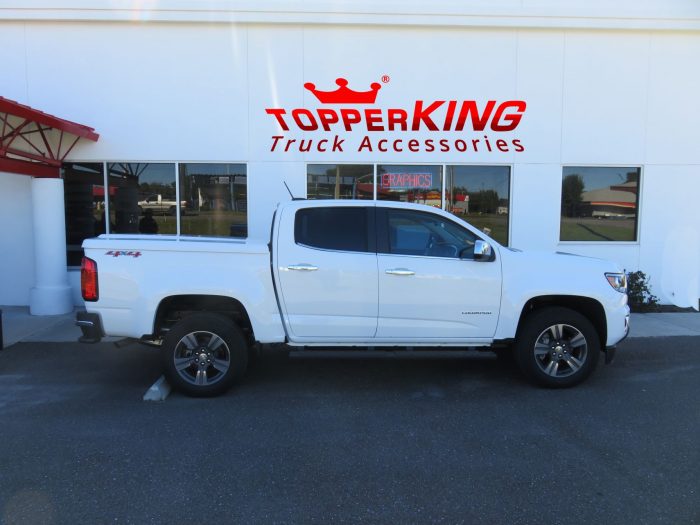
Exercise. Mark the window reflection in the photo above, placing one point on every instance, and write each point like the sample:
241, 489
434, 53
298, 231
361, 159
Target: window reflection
142, 198
419, 233
405, 183
599, 204
339, 181
84, 197
481, 196
214, 200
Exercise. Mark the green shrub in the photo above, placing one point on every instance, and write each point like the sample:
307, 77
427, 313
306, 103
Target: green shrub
640, 297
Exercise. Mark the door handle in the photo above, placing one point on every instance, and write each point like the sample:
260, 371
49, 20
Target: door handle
400, 271
303, 267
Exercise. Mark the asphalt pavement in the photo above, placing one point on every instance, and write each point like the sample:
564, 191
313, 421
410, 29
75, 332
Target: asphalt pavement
350, 441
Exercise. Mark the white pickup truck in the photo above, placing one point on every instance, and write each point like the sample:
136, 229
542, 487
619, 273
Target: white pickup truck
351, 274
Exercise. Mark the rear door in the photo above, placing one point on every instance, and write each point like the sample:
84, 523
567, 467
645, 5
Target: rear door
327, 272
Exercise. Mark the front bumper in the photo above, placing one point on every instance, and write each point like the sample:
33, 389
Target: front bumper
91, 326
611, 349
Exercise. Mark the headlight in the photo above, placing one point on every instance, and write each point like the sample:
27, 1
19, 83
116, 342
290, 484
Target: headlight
617, 281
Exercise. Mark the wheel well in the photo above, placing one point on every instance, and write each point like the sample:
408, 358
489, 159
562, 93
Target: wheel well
590, 308
176, 307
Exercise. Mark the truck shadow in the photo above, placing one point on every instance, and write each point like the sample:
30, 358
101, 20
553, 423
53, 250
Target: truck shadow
393, 371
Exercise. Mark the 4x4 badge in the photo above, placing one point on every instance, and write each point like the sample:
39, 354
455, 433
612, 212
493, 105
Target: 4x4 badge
117, 253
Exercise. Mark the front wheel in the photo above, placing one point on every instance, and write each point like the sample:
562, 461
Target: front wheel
557, 347
204, 355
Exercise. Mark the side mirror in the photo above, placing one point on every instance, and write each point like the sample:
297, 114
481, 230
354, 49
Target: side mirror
482, 251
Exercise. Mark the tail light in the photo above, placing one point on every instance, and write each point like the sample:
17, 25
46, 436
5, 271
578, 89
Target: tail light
88, 280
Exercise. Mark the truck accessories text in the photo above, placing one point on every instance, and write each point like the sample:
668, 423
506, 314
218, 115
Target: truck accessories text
443, 116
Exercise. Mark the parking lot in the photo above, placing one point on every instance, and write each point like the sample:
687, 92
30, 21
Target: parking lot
349, 440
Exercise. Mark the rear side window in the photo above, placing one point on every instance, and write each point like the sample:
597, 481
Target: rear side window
335, 228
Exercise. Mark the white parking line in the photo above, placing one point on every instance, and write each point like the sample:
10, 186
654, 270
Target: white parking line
159, 390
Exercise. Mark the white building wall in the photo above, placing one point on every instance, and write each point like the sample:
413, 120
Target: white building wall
16, 239
197, 91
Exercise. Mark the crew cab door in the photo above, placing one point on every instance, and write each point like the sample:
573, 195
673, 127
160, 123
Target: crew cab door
326, 266
430, 286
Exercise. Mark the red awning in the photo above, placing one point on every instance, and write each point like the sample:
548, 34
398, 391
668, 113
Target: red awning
35, 143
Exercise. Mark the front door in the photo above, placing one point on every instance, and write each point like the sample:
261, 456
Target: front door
430, 286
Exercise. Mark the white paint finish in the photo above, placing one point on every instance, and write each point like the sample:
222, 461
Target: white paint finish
266, 190
226, 75
417, 62
676, 14
445, 298
670, 248
626, 255
336, 300
16, 239
13, 81
330, 308
153, 92
532, 274
131, 288
540, 82
535, 206
51, 294
275, 59
605, 93
674, 104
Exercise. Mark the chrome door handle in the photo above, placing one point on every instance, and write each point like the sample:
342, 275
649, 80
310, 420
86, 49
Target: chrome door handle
303, 267
400, 271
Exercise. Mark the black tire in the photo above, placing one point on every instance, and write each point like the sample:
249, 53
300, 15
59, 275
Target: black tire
557, 362
210, 342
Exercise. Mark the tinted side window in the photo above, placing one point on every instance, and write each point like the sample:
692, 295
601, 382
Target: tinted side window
416, 233
334, 228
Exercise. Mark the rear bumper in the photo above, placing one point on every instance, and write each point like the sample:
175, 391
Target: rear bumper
91, 326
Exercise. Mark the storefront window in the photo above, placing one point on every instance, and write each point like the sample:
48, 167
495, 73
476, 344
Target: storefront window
84, 196
599, 204
142, 198
339, 181
214, 200
481, 196
419, 184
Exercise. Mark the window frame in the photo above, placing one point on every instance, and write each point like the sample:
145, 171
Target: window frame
161, 236
196, 238
637, 221
444, 166
343, 163
173, 236
511, 170
371, 213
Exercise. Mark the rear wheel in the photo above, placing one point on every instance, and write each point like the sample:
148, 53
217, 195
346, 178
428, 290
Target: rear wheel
204, 355
557, 347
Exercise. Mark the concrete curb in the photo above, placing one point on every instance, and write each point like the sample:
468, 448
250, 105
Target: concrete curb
159, 391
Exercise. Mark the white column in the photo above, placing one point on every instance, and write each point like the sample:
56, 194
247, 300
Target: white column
51, 294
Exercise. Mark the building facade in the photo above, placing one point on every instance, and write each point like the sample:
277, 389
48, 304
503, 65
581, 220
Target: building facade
563, 127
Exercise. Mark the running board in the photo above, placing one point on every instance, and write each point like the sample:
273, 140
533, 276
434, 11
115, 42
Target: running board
389, 353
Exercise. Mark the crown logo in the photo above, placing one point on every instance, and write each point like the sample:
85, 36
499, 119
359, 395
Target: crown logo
345, 95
